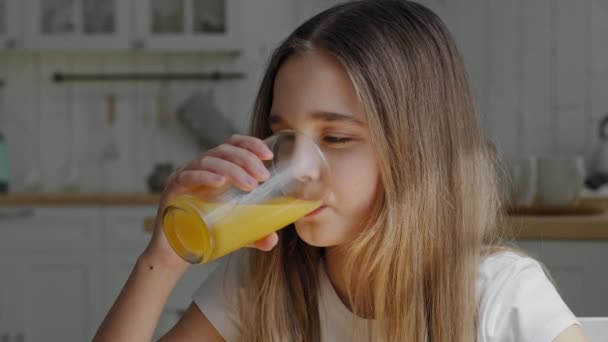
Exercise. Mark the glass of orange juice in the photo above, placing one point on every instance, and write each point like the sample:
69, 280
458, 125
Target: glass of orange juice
203, 226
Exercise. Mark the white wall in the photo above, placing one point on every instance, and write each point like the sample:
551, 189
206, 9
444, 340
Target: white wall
48, 124
539, 70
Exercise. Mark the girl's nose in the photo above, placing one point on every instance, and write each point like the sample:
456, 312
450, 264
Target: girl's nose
307, 163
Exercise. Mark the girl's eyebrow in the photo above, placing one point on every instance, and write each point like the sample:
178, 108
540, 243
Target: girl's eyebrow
321, 116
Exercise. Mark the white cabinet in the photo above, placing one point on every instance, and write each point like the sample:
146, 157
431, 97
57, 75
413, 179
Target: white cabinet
48, 272
157, 25
78, 24
197, 25
6, 301
54, 297
578, 269
10, 25
61, 268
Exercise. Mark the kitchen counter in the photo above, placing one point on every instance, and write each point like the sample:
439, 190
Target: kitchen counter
79, 199
524, 227
562, 227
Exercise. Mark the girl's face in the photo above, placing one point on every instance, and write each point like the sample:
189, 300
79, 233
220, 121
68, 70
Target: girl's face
314, 96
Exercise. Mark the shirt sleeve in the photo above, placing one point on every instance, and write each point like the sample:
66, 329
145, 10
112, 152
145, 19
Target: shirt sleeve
519, 303
217, 297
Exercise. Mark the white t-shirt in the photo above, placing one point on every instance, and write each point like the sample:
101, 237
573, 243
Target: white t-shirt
517, 303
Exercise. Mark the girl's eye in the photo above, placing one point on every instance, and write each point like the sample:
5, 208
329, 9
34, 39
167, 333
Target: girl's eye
336, 140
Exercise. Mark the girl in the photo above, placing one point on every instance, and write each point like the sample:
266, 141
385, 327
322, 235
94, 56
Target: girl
405, 248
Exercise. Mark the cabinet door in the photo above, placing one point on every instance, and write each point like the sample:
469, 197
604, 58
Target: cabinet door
78, 24
6, 302
10, 28
54, 296
196, 25
578, 271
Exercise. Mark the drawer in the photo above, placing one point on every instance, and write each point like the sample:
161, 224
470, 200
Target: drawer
26, 229
125, 228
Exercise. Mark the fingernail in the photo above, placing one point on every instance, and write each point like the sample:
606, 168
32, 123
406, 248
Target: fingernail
263, 172
251, 182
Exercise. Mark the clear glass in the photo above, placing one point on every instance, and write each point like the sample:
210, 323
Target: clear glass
167, 16
57, 16
209, 16
99, 16
205, 225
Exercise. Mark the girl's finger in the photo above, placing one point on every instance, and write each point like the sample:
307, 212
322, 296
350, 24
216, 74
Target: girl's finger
266, 243
239, 177
196, 178
242, 157
252, 144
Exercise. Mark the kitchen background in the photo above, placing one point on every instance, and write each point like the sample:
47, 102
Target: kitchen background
539, 69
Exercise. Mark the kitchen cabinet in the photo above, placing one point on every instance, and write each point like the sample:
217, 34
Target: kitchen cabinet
157, 25
6, 314
197, 25
78, 24
11, 35
53, 298
578, 269
62, 267
48, 256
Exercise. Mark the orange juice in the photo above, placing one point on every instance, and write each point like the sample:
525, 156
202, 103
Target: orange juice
200, 231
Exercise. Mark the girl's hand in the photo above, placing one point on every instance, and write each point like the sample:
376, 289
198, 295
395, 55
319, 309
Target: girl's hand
237, 162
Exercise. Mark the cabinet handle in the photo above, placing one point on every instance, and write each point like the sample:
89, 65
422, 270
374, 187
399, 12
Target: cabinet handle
21, 213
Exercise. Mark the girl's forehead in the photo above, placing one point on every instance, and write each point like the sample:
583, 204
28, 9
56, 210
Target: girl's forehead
317, 84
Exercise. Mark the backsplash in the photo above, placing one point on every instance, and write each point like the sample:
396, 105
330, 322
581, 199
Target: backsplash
539, 70
61, 133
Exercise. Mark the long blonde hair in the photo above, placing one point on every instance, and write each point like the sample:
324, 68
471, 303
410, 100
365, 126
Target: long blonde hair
417, 259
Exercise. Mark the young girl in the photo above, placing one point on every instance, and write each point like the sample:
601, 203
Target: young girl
404, 248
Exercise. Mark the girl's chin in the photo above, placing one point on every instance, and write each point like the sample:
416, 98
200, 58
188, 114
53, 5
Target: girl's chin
316, 236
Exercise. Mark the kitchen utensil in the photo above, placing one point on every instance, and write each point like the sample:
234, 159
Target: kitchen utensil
157, 180
71, 173
598, 163
560, 180
110, 151
523, 180
163, 114
201, 116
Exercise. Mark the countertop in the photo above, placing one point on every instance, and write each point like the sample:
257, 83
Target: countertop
563, 227
547, 227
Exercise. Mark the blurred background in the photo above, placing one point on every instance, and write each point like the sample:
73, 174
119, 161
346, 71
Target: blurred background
101, 99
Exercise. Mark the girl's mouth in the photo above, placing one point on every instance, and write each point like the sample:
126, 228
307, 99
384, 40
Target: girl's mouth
316, 211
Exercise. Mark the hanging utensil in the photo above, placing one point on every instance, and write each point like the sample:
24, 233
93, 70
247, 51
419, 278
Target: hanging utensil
71, 180
111, 152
